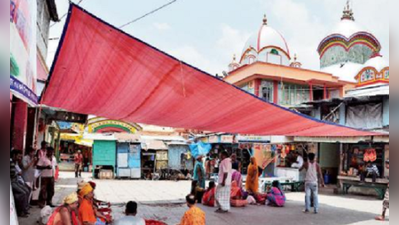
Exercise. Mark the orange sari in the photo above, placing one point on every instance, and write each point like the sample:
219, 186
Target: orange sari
194, 216
252, 183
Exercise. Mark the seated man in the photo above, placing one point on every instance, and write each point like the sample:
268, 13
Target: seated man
20, 190
371, 171
130, 218
88, 214
194, 216
66, 213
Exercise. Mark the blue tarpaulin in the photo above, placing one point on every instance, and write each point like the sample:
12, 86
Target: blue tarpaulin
200, 148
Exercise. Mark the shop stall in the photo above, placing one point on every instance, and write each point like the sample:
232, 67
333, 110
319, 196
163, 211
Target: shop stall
154, 157
178, 156
363, 168
286, 159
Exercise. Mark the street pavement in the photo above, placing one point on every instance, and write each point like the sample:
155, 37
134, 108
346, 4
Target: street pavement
164, 200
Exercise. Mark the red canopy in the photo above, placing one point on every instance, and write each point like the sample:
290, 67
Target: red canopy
103, 71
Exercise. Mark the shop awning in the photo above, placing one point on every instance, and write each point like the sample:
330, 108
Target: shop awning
100, 70
129, 138
154, 145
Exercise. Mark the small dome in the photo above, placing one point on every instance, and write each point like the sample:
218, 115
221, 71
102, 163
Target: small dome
266, 38
377, 62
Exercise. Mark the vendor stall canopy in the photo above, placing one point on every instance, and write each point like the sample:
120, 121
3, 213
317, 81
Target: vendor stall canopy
100, 70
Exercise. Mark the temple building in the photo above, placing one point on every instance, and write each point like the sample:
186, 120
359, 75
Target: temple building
351, 88
266, 69
352, 53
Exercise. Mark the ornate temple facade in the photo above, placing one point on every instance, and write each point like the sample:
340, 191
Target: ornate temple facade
267, 70
349, 59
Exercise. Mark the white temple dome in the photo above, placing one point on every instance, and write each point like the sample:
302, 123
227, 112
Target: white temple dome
266, 37
347, 28
266, 45
377, 62
348, 42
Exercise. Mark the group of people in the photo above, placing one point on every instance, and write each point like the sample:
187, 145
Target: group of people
81, 208
230, 191
36, 170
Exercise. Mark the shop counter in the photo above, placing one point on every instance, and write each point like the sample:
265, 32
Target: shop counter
291, 173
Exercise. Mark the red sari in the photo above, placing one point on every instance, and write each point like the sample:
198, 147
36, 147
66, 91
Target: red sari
209, 197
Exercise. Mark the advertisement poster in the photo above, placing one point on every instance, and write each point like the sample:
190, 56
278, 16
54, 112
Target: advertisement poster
23, 50
13, 211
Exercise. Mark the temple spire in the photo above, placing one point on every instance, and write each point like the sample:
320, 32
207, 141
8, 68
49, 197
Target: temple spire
265, 19
348, 13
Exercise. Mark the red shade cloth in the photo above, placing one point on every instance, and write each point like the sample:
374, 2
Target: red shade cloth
103, 71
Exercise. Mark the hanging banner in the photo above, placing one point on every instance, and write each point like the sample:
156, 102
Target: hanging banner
23, 73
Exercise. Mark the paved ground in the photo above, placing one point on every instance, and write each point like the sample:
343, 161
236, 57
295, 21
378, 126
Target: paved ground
163, 201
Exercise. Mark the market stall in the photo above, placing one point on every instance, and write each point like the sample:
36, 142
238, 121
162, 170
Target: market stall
363, 166
154, 157
286, 159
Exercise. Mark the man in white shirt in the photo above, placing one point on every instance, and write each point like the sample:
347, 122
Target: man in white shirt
224, 185
130, 218
299, 161
46, 166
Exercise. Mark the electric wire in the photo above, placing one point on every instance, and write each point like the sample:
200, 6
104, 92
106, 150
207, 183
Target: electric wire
147, 14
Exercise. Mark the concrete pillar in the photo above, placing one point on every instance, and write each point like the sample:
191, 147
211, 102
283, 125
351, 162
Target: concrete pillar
257, 87
342, 114
317, 113
275, 92
311, 92
20, 124
325, 96
385, 111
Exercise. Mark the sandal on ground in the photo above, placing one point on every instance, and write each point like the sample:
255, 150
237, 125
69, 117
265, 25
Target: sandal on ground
380, 218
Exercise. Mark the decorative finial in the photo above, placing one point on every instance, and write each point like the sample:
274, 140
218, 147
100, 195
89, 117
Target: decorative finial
234, 57
348, 13
295, 57
265, 19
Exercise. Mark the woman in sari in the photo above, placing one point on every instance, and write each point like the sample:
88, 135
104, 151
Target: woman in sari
252, 183
276, 196
199, 172
237, 177
66, 214
209, 196
236, 197
197, 191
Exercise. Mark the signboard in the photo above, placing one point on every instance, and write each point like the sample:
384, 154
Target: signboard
23, 73
259, 139
213, 139
162, 155
111, 124
13, 211
227, 139
263, 154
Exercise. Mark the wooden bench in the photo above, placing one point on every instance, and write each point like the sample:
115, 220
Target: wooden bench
380, 186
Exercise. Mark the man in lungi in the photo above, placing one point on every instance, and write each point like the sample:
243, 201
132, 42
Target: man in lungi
224, 187
385, 203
